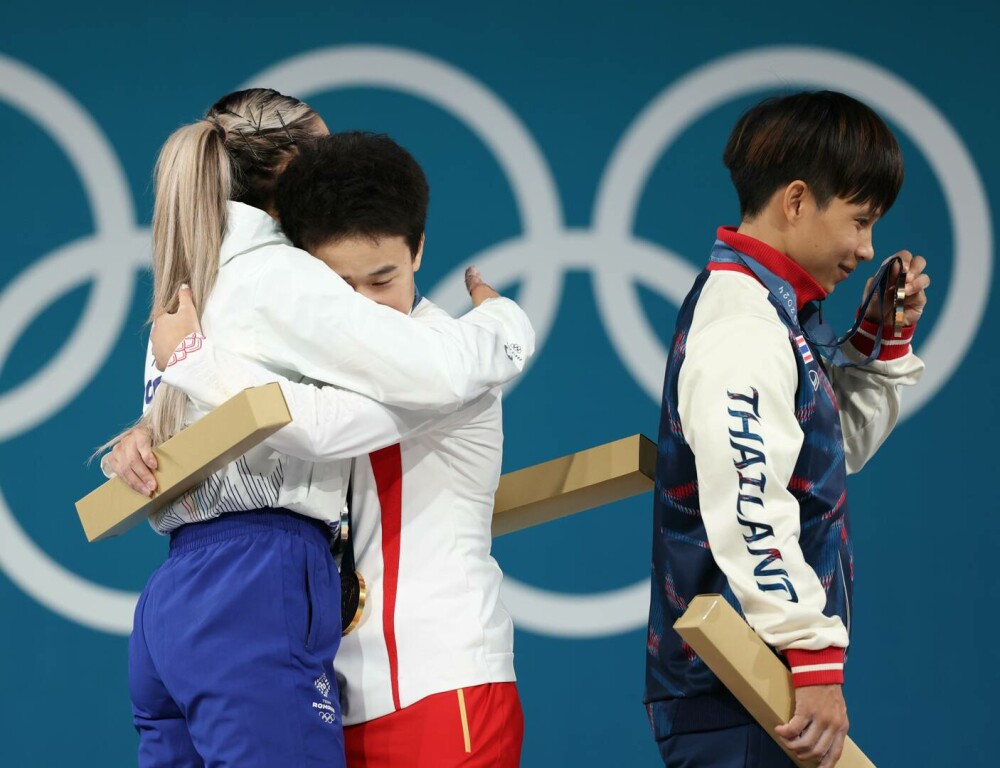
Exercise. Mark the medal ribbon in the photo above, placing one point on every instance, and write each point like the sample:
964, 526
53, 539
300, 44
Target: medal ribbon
819, 334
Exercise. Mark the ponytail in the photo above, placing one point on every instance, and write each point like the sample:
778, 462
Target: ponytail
235, 153
193, 181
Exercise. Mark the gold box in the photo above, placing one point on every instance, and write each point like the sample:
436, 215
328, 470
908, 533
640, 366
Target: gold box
749, 669
574, 483
186, 459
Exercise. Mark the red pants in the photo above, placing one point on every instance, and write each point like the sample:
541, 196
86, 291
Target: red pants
480, 726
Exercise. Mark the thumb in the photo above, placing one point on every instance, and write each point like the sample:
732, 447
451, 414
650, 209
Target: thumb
792, 728
185, 304
472, 278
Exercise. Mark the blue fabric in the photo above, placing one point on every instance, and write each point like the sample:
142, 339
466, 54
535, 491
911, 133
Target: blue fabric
684, 694
230, 659
745, 746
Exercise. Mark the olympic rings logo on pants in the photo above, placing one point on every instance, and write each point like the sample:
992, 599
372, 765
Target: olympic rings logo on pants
538, 259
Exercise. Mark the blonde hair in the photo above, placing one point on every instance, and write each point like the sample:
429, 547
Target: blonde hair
236, 152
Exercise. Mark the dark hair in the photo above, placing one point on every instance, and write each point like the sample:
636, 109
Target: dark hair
349, 185
832, 142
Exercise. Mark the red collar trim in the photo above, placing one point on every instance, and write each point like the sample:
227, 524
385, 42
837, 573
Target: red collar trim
806, 288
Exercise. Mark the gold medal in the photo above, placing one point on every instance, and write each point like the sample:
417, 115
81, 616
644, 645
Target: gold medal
354, 594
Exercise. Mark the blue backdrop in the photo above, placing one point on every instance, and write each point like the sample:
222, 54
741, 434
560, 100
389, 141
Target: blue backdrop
574, 154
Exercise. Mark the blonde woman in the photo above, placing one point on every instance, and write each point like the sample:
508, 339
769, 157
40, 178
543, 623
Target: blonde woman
234, 637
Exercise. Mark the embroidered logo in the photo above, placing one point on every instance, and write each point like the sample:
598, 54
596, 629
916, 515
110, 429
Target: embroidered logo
804, 350
514, 352
814, 378
326, 711
322, 684
192, 343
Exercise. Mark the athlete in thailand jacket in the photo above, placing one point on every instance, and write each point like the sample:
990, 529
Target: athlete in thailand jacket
757, 436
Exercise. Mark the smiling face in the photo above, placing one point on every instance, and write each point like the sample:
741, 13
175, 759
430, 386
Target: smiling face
379, 268
830, 242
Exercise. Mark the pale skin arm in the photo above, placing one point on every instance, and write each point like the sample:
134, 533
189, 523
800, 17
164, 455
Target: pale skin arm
132, 458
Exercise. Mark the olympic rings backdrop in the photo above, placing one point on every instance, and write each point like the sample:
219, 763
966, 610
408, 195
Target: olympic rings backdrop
573, 152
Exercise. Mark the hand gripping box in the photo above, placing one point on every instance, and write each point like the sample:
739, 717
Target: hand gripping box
748, 668
186, 459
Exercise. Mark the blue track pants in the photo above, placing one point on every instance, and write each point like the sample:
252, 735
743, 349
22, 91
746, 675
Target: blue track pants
231, 654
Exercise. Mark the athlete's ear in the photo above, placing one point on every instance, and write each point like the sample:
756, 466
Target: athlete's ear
420, 255
792, 199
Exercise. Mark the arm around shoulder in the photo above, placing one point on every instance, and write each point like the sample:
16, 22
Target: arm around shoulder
308, 320
327, 423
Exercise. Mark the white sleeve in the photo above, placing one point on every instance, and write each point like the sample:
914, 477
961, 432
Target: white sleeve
309, 320
327, 423
736, 401
869, 396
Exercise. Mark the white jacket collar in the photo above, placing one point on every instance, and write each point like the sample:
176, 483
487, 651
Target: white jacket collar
248, 228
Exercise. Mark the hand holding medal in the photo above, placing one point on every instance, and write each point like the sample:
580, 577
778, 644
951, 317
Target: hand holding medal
905, 293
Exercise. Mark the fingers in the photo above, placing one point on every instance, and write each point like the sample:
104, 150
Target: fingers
917, 284
916, 266
170, 328
792, 729
130, 463
819, 724
133, 479
804, 745
836, 750
816, 741
144, 444
114, 460
906, 256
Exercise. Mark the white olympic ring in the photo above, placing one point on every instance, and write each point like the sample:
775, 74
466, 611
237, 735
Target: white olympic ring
108, 256
538, 259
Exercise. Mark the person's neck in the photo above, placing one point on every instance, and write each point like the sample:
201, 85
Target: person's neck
772, 238
769, 232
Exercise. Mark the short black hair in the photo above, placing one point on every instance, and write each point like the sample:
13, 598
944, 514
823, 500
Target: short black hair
834, 143
352, 184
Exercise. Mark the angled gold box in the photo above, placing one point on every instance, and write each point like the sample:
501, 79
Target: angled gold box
574, 483
186, 459
749, 669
